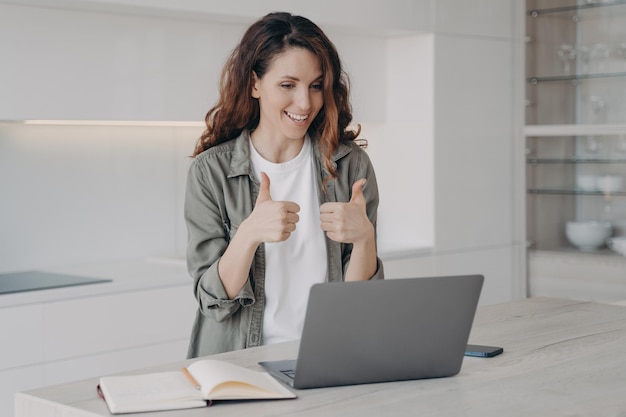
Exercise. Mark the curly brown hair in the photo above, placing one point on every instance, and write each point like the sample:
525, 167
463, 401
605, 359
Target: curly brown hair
268, 37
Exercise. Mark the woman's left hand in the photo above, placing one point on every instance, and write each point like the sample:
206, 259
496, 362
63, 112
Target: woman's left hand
348, 222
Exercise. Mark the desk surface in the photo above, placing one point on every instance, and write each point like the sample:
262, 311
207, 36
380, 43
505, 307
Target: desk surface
561, 358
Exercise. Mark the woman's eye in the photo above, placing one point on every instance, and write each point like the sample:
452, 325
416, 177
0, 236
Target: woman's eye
287, 85
316, 86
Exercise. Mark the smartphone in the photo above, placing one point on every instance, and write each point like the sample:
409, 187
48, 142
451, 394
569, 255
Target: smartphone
483, 351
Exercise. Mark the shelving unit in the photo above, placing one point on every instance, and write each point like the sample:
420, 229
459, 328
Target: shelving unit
575, 130
555, 162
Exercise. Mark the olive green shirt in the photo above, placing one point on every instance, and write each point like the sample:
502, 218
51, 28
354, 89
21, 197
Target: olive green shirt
221, 192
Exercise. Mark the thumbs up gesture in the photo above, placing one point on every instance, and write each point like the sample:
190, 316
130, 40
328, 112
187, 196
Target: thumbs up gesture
264, 189
347, 222
271, 221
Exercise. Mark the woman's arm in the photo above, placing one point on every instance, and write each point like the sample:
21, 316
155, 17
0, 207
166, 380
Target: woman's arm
349, 223
207, 238
270, 221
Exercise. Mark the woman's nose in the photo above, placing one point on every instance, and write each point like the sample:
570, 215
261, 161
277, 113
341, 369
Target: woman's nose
303, 99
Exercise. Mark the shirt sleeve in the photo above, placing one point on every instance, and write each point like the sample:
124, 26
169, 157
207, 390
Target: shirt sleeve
208, 238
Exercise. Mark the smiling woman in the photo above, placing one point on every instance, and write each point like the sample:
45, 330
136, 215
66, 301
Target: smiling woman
288, 103
279, 195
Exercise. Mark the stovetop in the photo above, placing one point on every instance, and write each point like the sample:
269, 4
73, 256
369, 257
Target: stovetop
36, 280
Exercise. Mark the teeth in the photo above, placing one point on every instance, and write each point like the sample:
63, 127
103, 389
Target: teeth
297, 117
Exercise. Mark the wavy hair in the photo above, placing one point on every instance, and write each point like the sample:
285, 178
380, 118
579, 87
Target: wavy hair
268, 37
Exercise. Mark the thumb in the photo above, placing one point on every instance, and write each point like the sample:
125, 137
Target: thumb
357, 192
264, 189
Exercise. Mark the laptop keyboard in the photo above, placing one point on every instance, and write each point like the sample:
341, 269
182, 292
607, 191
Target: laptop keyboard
289, 373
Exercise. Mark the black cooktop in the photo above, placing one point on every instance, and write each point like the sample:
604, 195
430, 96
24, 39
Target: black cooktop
36, 280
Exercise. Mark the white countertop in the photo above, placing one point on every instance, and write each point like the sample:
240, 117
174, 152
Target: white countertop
126, 275
561, 358
389, 253
138, 275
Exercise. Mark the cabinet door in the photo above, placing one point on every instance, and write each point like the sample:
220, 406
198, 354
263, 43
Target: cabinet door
60, 372
115, 322
22, 340
16, 380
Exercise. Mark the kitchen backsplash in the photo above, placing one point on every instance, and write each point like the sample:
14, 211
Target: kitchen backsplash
74, 194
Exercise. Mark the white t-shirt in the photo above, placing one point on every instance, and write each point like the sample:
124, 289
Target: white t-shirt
292, 266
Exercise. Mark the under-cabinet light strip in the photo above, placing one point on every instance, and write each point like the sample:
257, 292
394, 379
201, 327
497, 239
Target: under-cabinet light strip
144, 123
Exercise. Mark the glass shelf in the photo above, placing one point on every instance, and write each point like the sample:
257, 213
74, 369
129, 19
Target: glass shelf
574, 160
567, 248
574, 191
575, 77
575, 8
556, 130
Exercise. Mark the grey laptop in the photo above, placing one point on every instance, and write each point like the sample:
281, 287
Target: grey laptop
379, 331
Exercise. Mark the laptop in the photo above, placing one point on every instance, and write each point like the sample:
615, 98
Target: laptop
380, 331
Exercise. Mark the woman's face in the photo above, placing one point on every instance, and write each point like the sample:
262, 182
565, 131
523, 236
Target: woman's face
290, 94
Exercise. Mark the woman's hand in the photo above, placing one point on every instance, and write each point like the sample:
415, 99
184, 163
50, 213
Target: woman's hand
348, 222
271, 221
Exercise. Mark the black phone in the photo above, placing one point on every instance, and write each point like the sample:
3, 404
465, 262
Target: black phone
483, 351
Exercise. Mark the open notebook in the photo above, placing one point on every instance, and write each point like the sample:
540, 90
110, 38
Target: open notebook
197, 385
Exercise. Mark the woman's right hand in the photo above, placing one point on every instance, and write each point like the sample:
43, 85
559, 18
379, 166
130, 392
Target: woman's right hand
271, 221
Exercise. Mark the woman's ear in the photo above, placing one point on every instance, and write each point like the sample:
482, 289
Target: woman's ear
255, 81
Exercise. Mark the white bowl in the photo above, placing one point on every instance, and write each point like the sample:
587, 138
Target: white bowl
617, 244
586, 182
588, 235
609, 183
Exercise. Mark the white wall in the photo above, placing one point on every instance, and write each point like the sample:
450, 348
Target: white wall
476, 138
81, 64
85, 193
439, 109
78, 194
66, 64
363, 16
402, 147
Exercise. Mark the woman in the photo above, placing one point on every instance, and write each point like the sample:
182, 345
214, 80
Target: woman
279, 195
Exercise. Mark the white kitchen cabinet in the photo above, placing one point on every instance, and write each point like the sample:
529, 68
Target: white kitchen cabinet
483, 18
163, 63
18, 379
115, 322
21, 344
143, 317
471, 169
352, 15
58, 372
21, 352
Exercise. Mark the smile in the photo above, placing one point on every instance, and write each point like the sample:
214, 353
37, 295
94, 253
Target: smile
297, 117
